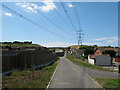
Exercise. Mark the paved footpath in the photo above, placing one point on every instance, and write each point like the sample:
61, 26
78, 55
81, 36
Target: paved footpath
69, 75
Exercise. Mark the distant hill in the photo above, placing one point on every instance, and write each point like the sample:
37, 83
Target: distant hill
78, 46
74, 46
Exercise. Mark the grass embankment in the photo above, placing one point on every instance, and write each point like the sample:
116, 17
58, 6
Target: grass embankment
30, 78
85, 64
109, 84
21, 45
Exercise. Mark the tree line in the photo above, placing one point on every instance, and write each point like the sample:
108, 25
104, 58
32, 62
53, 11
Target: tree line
17, 42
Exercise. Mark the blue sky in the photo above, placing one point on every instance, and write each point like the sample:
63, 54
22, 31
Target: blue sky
99, 22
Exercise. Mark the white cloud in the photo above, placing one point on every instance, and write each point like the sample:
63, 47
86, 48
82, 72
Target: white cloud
58, 44
88, 43
105, 41
24, 6
70, 5
35, 6
49, 5
65, 44
106, 38
30, 7
8, 14
18, 4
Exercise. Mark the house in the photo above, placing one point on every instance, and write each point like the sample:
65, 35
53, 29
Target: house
102, 50
75, 47
4, 49
117, 59
100, 59
79, 53
30, 48
72, 51
15, 48
22, 48
116, 50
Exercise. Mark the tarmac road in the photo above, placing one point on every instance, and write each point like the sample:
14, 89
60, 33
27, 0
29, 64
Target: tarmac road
69, 75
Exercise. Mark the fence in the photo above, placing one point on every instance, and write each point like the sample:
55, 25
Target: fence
25, 59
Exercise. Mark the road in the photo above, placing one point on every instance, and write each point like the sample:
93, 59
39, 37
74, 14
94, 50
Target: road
99, 73
69, 75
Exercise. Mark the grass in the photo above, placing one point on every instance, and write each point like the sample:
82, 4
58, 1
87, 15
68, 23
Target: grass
21, 45
109, 84
85, 64
30, 78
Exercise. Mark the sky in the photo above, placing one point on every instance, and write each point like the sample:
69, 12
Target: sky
98, 21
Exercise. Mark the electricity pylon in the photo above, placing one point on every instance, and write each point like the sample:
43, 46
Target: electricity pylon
80, 36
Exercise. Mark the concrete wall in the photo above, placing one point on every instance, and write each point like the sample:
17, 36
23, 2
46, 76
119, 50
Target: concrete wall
102, 60
91, 61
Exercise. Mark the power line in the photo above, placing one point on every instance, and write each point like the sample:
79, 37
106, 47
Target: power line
65, 10
79, 32
49, 19
77, 16
33, 22
61, 16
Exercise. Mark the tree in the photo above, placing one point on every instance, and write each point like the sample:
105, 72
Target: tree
110, 52
27, 42
16, 42
88, 51
95, 45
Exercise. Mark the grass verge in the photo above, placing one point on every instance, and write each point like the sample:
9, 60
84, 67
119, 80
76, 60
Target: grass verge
109, 84
30, 78
84, 64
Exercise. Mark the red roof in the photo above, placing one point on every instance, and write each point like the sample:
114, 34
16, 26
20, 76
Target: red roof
104, 49
93, 56
79, 51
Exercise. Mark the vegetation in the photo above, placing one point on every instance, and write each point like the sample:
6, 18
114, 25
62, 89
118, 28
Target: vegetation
18, 44
30, 78
109, 84
88, 51
85, 64
87, 46
110, 52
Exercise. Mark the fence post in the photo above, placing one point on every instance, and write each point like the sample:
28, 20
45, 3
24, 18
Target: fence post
119, 68
16, 61
25, 61
8, 63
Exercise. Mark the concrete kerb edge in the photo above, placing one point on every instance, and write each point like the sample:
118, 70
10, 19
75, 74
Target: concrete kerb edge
95, 81
52, 77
